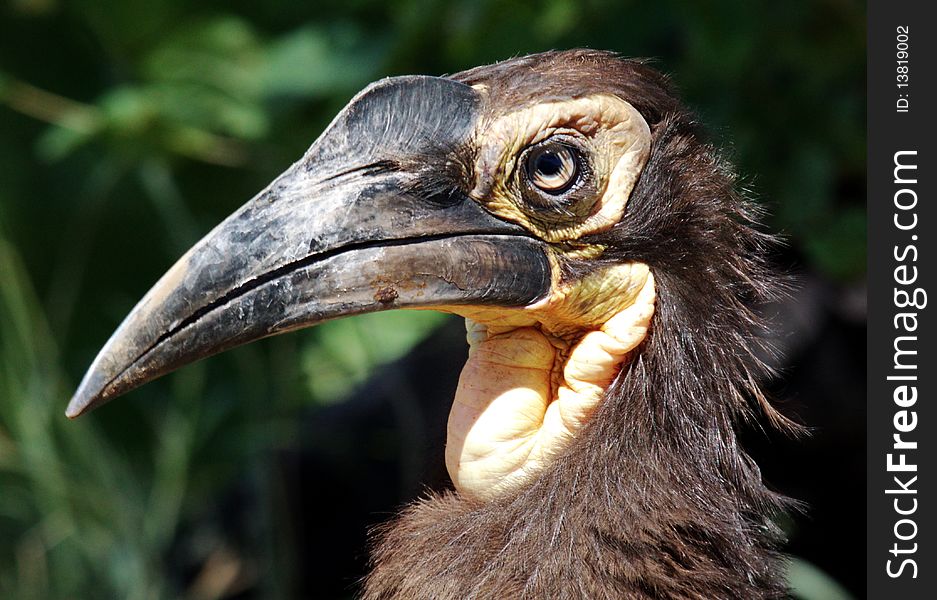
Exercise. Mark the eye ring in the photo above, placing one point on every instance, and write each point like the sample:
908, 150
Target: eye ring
553, 167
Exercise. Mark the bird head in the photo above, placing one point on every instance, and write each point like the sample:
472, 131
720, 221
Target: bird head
555, 201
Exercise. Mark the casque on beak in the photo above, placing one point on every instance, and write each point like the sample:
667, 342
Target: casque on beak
363, 222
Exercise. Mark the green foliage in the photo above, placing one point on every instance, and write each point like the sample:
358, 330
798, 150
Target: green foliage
810, 583
348, 350
129, 127
56, 513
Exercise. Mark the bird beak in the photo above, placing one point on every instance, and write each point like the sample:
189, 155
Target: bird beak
359, 224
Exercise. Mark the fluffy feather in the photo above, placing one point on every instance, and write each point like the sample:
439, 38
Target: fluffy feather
655, 498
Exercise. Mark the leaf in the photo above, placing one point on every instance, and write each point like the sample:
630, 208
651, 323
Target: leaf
349, 350
315, 62
223, 52
807, 582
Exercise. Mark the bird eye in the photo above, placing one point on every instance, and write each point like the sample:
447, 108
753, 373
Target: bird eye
552, 167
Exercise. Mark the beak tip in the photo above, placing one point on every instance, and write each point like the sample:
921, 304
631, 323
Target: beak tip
74, 409
80, 403
88, 395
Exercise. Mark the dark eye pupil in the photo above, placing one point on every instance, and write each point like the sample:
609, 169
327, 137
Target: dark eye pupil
549, 163
551, 168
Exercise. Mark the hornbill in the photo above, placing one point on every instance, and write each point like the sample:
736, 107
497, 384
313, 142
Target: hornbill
609, 273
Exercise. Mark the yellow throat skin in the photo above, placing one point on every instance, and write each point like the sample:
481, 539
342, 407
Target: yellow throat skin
535, 376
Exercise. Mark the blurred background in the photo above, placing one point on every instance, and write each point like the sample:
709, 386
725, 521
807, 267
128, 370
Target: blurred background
128, 128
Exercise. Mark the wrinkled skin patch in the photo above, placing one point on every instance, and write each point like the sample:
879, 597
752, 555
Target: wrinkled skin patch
617, 139
535, 376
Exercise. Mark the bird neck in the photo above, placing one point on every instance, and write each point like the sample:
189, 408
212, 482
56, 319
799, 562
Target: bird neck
660, 472
653, 500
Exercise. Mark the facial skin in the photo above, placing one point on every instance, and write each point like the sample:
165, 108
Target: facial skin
535, 375
609, 134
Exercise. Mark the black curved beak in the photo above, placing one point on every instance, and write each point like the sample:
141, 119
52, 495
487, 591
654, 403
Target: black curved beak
366, 221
